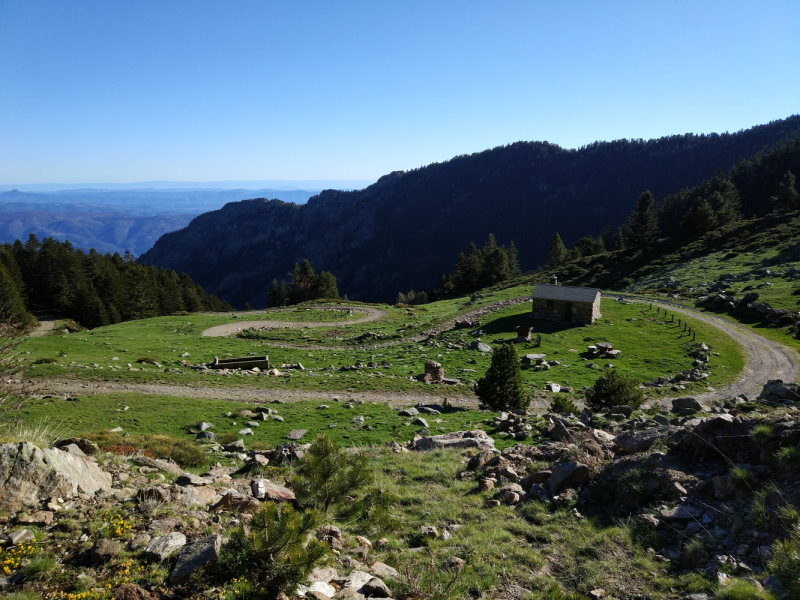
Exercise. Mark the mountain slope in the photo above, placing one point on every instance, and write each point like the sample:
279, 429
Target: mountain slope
405, 230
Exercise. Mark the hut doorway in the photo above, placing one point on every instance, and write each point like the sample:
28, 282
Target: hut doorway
568, 312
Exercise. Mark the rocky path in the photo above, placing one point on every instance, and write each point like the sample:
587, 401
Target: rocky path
370, 314
250, 394
44, 327
764, 359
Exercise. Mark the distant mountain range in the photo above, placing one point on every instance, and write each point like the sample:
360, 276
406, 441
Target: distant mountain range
115, 220
406, 230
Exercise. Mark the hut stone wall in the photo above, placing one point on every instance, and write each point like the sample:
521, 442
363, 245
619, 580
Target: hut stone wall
582, 312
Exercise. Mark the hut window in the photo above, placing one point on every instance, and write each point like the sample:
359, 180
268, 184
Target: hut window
551, 304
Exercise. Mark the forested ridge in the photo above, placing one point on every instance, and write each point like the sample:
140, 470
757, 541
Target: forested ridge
93, 289
405, 230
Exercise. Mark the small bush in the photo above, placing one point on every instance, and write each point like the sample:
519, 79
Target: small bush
741, 479
146, 359
326, 475
226, 437
614, 389
45, 360
563, 406
761, 434
39, 568
276, 551
501, 388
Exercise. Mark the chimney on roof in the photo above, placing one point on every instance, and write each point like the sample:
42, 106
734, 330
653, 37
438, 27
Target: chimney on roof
553, 280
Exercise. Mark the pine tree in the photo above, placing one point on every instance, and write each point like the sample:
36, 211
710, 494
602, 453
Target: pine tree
326, 475
501, 388
247, 306
788, 198
325, 287
276, 294
556, 251
302, 283
700, 219
643, 224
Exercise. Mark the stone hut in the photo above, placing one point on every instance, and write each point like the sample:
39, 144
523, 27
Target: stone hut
565, 303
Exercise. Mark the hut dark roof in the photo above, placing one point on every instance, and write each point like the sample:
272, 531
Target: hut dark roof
567, 293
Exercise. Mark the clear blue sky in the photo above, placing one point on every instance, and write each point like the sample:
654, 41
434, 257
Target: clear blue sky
127, 91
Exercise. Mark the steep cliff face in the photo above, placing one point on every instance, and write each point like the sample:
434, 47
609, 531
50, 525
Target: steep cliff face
405, 230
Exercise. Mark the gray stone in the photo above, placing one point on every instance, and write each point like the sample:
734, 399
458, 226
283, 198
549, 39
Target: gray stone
246, 431
104, 550
680, 404
420, 422
480, 346
204, 426
640, 440
622, 409
565, 475
29, 474
376, 588
265, 490
20, 536
161, 465
384, 571
192, 479
457, 439
164, 546
205, 435
296, 434
480, 459
195, 555
682, 512
408, 412
237, 446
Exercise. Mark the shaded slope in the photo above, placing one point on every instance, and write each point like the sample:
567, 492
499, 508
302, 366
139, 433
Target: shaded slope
405, 230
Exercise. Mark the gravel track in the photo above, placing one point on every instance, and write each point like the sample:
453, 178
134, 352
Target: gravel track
764, 359
370, 314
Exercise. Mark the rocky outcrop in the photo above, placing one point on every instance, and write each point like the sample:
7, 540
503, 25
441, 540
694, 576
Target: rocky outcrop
457, 439
29, 474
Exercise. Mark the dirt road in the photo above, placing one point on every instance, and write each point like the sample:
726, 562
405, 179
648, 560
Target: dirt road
764, 359
370, 314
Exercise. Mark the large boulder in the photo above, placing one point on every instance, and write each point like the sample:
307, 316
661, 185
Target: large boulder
193, 556
678, 404
568, 475
456, 439
29, 474
640, 440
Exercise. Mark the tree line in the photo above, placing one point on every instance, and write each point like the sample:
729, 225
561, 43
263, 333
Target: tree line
305, 285
93, 289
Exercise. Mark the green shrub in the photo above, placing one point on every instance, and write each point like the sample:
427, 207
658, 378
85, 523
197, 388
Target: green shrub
146, 359
788, 459
501, 388
761, 434
38, 568
226, 437
45, 360
741, 479
326, 475
614, 389
276, 552
562, 405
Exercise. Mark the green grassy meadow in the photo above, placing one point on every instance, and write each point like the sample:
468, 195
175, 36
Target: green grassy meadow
650, 348
149, 414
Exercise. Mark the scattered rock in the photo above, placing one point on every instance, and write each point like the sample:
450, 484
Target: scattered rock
193, 556
164, 546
